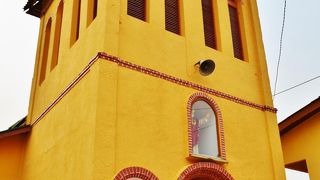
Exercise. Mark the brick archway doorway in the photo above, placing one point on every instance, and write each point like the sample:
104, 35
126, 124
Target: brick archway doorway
205, 171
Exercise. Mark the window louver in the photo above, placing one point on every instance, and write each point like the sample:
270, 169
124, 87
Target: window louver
208, 24
172, 16
137, 9
236, 34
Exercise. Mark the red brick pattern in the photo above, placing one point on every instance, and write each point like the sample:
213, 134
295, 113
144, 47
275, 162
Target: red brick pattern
153, 73
205, 170
135, 172
202, 96
185, 83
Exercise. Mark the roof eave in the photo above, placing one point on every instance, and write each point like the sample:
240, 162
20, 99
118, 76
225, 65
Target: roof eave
300, 116
37, 7
17, 131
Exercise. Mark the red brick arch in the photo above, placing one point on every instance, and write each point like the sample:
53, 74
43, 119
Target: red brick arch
135, 172
202, 96
205, 170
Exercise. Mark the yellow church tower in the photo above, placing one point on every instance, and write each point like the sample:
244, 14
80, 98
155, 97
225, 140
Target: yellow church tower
149, 89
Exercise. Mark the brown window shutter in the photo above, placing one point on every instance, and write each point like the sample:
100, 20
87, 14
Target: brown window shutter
208, 24
236, 33
137, 9
172, 16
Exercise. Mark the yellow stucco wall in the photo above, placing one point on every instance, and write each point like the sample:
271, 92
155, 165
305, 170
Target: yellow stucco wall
133, 124
11, 156
115, 117
302, 143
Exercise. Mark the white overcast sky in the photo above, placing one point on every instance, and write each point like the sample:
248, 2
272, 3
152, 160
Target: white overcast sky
19, 33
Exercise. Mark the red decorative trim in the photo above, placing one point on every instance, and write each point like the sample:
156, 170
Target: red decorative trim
135, 172
202, 96
66, 90
185, 83
153, 73
205, 170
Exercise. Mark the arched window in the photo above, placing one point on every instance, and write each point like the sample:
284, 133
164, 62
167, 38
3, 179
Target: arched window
205, 126
204, 130
135, 173
45, 52
57, 34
